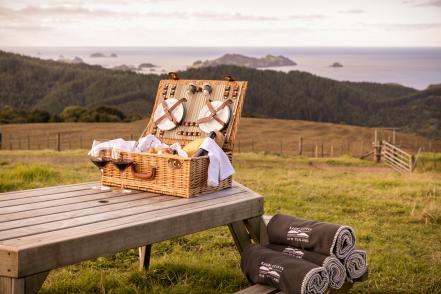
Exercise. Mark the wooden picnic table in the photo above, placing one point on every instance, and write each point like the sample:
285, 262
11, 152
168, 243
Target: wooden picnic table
44, 229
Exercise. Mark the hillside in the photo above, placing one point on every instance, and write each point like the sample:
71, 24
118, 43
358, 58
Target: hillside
30, 83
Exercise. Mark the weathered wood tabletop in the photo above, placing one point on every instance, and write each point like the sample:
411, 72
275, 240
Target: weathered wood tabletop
43, 229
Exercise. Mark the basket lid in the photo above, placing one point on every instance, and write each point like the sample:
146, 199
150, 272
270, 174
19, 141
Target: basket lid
202, 106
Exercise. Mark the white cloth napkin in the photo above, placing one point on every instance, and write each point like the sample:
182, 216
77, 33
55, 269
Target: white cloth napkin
148, 142
141, 145
116, 143
220, 166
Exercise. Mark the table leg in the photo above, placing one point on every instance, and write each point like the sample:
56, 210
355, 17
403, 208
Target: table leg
144, 257
246, 231
26, 285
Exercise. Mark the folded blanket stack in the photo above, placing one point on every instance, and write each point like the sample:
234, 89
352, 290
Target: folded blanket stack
312, 248
265, 266
335, 269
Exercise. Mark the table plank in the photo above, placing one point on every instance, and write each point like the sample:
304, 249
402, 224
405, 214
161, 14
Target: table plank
112, 198
134, 213
93, 196
162, 225
45, 191
113, 204
49, 197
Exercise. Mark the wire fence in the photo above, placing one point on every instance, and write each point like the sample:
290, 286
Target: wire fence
288, 146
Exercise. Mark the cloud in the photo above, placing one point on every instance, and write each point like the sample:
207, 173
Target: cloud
413, 26
307, 16
423, 3
24, 27
228, 16
403, 26
352, 11
81, 11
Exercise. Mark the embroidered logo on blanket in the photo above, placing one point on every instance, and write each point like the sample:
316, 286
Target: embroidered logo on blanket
293, 252
298, 234
270, 271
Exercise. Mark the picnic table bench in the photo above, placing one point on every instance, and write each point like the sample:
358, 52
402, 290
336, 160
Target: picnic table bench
44, 229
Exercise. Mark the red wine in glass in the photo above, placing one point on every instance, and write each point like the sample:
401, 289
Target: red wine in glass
122, 164
100, 162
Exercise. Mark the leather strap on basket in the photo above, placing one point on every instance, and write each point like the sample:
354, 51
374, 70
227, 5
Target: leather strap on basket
148, 175
214, 111
168, 111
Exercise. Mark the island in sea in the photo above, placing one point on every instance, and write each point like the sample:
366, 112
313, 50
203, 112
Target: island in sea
246, 61
146, 65
99, 54
336, 64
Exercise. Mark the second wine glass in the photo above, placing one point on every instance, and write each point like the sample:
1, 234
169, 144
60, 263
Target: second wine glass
122, 160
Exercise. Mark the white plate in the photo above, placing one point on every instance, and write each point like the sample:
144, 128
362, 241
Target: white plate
213, 125
166, 124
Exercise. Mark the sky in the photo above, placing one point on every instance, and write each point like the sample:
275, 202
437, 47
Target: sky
224, 23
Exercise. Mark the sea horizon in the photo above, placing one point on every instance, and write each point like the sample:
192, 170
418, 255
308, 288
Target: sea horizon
416, 67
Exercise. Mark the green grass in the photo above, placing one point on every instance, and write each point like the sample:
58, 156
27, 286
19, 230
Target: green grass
429, 162
397, 219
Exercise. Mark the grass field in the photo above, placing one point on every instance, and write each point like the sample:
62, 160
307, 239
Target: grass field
271, 135
397, 219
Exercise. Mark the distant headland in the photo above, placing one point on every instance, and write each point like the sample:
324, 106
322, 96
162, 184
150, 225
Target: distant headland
99, 54
246, 61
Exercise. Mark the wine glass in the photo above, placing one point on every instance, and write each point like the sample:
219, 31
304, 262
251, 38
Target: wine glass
122, 160
100, 157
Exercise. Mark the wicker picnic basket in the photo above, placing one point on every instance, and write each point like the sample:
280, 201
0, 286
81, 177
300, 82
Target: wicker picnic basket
171, 174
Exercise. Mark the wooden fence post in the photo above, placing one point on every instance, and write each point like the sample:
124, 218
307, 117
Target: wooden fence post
238, 146
252, 145
316, 150
1, 137
58, 142
29, 142
81, 142
377, 147
332, 151
300, 146
10, 142
322, 151
19, 143
281, 147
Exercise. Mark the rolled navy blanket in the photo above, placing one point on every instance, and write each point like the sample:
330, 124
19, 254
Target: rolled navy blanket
335, 269
290, 275
356, 264
321, 237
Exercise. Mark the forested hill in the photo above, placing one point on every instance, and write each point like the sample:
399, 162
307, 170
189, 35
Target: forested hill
30, 83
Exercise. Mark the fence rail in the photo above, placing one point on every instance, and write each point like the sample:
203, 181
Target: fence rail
397, 158
292, 145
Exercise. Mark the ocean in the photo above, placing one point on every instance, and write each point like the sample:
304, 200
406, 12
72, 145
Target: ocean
412, 67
